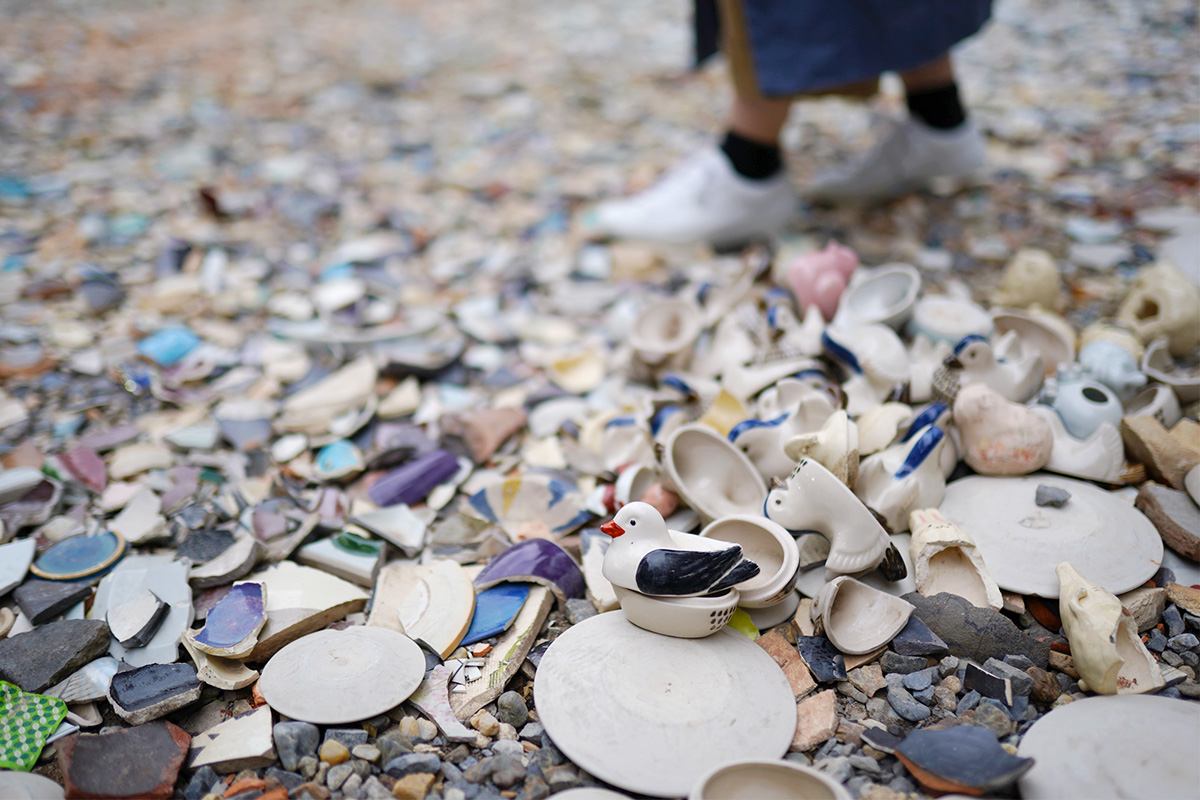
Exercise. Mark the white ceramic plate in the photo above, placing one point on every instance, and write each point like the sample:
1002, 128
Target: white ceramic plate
1102, 535
1130, 745
651, 713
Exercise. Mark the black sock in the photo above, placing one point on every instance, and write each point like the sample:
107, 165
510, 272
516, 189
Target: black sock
938, 108
751, 159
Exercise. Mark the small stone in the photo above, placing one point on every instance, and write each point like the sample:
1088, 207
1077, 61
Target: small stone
973, 632
1022, 684
789, 660
952, 682
508, 747
867, 679
288, 780
579, 609
879, 710
1183, 642
350, 788
822, 658
350, 737
948, 665
337, 775
333, 752
921, 679
945, 699
311, 791
847, 688
968, 701
366, 752
307, 766
506, 771
532, 731
838, 768
49, 653
559, 779
485, 723
905, 704
894, 662
1051, 496
989, 684
412, 763
1063, 663
991, 715
816, 720
1157, 641
511, 709
915, 639
535, 788
924, 696
1173, 620
293, 741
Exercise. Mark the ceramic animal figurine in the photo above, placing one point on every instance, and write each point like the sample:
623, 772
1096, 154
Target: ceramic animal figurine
1081, 403
808, 396
975, 362
1000, 437
1163, 302
835, 446
1031, 279
814, 499
902, 478
1098, 457
925, 356
880, 426
875, 359
858, 618
1113, 366
819, 278
1108, 653
1039, 331
762, 442
945, 559
938, 414
656, 561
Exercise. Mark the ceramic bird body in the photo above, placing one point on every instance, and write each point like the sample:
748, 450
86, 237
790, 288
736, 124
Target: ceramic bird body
814, 499
764, 441
646, 557
974, 361
1114, 366
1000, 437
903, 478
875, 359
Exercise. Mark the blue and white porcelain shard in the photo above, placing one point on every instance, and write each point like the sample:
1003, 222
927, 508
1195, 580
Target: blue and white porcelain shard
530, 504
903, 478
975, 361
746, 381
762, 442
656, 561
813, 499
875, 358
495, 610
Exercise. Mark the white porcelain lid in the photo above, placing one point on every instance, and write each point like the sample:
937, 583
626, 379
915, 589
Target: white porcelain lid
1129, 745
651, 713
1100, 533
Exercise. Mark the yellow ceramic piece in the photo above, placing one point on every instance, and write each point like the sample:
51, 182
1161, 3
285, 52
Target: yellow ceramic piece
1030, 279
725, 412
740, 622
1163, 302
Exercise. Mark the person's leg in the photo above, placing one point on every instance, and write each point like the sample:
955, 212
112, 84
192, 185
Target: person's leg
932, 95
751, 140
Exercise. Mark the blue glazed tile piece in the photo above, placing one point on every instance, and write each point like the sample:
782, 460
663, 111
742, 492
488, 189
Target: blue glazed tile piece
495, 609
169, 346
237, 616
80, 557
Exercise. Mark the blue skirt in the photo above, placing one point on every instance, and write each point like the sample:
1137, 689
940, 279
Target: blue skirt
788, 47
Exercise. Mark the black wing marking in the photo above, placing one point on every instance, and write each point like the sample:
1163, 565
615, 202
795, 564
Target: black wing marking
742, 572
684, 572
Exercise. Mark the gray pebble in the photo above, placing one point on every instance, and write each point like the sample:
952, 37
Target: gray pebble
948, 666
1022, 682
1172, 658
1191, 621
579, 609
1182, 642
1019, 661
1051, 496
837, 768
467, 791
858, 784
507, 771
352, 788
561, 778
347, 736
1173, 620
532, 731
413, 763
307, 767
508, 747
293, 741
535, 788
967, 702
1190, 658
799, 758
1157, 642
450, 772
905, 705
374, 790
511, 708
902, 785
925, 695
337, 775
847, 688
921, 679
865, 764
879, 710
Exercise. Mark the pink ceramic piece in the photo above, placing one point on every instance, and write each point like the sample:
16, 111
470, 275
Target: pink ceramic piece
818, 279
656, 561
1000, 437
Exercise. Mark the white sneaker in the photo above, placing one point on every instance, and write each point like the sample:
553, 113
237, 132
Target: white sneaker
702, 199
904, 160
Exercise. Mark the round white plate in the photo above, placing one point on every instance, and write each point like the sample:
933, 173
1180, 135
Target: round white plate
1104, 537
651, 713
331, 677
1130, 745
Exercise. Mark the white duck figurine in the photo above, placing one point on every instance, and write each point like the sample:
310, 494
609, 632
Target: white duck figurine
904, 477
813, 499
1099, 457
938, 414
764, 440
975, 361
875, 358
656, 561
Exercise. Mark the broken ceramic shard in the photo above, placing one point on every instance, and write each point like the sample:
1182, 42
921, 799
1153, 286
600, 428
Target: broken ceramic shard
347, 555
15, 558
232, 626
86, 467
965, 758
1031, 279
1039, 332
145, 693
628, 744
495, 610
140, 521
813, 499
1108, 653
114, 764
857, 618
749, 780
398, 524
885, 294
945, 559
664, 332
16, 483
834, 445
167, 579
594, 545
895, 482
244, 742
300, 600
537, 561
233, 563
134, 623
223, 673
413, 482
337, 461
49, 653
42, 601
135, 459
26, 723
1000, 437
711, 475
532, 506
818, 278
949, 318
431, 699
80, 557
1163, 302
1099, 457
433, 602
319, 678
90, 682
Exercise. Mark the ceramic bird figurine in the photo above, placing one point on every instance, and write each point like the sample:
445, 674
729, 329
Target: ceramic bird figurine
903, 478
765, 441
819, 278
1114, 366
974, 361
875, 359
1098, 457
814, 499
1000, 437
835, 446
648, 558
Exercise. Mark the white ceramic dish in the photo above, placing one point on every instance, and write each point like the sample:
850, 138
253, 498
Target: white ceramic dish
712, 476
884, 295
769, 546
1040, 332
949, 319
767, 780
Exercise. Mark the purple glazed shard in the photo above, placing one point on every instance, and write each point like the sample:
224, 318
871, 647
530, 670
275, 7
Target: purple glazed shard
239, 615
537, 561
413, 482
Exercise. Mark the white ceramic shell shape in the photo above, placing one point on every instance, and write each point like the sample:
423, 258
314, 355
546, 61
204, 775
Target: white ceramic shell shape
665, 329
884, 295
711, 475
1108, 654
857, 618
814, 499
945, 559
758, 780
1099, 457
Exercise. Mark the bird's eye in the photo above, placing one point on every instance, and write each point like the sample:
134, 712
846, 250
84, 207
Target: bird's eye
632, 522
778, 501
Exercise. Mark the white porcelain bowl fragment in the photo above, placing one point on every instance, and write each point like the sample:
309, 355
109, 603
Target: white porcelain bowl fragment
766, 780
949, 319
768, 545
711, 475
885, 295
665, 329
1156, 401
1040, 332
681, 617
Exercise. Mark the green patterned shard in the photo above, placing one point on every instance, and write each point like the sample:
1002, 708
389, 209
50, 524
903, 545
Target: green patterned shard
26, 721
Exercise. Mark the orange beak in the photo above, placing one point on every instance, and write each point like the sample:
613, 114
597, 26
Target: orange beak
612, 529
